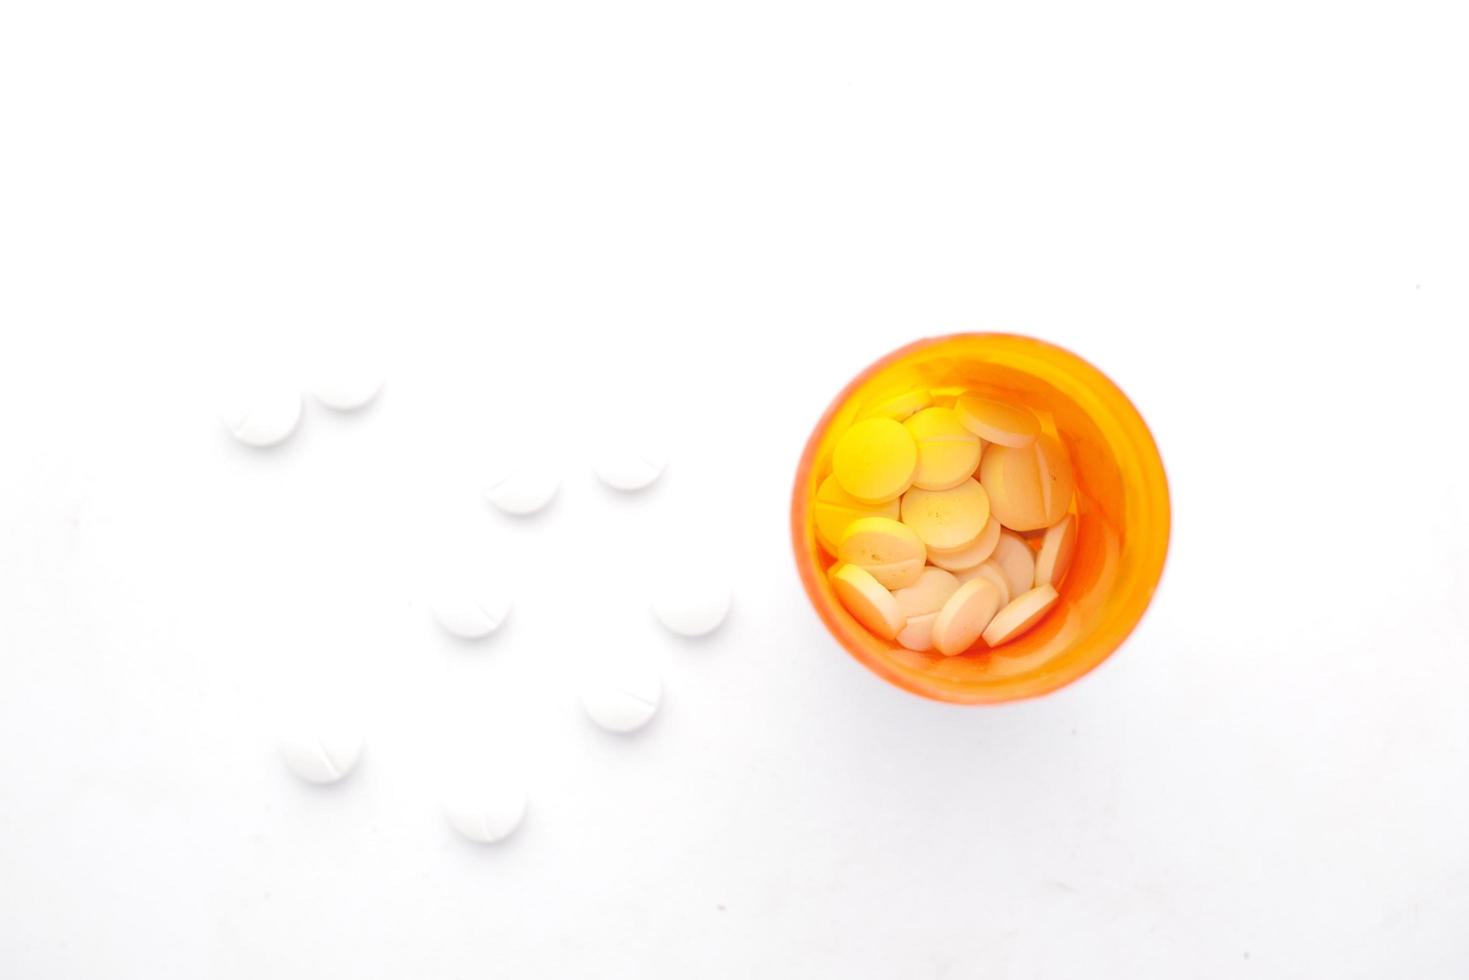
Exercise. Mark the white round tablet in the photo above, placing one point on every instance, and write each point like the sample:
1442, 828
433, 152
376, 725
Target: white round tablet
487, 813
322, 756
523, 490
471, 616
690, 605
348, 387
629, 467
623, 699
263, 416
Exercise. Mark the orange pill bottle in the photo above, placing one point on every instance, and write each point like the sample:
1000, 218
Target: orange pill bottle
1122, 512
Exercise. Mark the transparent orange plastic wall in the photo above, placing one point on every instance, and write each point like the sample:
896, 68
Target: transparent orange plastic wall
1121, 505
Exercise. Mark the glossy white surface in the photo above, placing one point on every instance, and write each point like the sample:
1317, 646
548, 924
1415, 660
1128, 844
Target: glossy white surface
1251, 215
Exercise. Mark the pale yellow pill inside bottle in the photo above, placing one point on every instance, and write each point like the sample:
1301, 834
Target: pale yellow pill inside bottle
889, 551
835, 510
928, 594
899, 404
1015, 561
1029, 488
972, 554
947, 519
874, 461
1054, 556
996, 421
948, 453
920, 604
1056, 475
964, 616
988, 570
869, 603
917, 633
1023, 612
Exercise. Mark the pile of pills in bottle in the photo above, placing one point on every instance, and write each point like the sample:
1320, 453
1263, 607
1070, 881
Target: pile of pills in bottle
950, 519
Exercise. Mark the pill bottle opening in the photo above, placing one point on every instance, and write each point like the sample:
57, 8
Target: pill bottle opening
1121, 504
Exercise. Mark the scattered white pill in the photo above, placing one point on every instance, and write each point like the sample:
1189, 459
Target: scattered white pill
471, 616
263, 416
623, 698
691, 605
348, 387
322, 756
487, 813
630, 467
523, 490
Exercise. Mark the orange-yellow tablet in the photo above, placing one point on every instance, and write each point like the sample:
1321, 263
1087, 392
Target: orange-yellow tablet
996, 421
948, 453
1021, 614
947, 519
891, 552
964, 617
835, 510
875, 460
868, 602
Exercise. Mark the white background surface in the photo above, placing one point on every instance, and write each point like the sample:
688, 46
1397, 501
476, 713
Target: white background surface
542, 215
